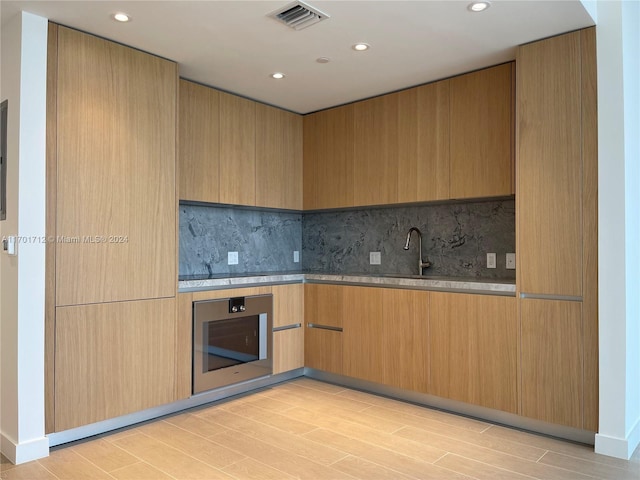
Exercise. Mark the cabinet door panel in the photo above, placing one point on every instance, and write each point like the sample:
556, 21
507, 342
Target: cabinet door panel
552, 361
549, 167
113, 359
278, 158
474, 349
482, 133
237, 150
405, 339
199, 143
116, 202
328, 158
288, 350
375, 158
363, 337
423, 143
288, 304
323, 348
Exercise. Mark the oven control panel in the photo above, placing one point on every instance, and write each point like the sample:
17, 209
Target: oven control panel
236, 305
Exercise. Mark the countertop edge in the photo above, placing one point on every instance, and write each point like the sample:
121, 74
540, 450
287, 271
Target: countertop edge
441, 285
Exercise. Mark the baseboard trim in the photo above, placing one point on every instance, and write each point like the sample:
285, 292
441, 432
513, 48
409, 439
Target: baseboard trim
98, 428
619, 447
18, 453
459, 408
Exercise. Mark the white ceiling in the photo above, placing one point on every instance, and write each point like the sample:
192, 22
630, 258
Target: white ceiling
234, 46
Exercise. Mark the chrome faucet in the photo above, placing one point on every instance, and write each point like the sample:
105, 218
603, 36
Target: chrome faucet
421, 264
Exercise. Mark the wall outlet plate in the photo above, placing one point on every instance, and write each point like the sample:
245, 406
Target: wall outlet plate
375, 258
511, 261
491, 260
296, 256
232, 258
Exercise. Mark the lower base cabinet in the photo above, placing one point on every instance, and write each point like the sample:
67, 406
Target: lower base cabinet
323, 316
552, 361
288, 321
112, 359
473, 346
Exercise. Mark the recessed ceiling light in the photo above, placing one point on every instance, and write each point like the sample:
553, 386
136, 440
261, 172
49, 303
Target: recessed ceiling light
323, 59
121, 17
361, 47
277, 75
479, 6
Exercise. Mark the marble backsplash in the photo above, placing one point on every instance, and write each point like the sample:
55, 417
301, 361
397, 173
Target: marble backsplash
265, 240
455, 239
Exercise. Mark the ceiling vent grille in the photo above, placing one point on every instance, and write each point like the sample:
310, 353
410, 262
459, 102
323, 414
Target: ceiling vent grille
298, 15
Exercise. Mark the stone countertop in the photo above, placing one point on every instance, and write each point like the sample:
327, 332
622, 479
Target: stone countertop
443, 284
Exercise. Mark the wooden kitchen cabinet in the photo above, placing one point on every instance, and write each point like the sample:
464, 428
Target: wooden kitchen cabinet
405, 339
278, 158
328, 172
557, 227
198, 143
112, 359
323, 316
375, 151
237, 150
473, 349
552, 361
362, 355
115, 210
423, 143
288, 324
482, 133
549, 215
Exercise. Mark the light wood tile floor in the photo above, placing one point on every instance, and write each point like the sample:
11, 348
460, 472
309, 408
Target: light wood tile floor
313, 430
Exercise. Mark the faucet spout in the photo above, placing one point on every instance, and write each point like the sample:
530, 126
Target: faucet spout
421, 264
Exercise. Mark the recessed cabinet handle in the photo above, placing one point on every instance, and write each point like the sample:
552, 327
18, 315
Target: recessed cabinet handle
287, 327
324, 327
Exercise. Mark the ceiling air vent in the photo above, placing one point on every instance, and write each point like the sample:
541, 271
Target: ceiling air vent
298, 15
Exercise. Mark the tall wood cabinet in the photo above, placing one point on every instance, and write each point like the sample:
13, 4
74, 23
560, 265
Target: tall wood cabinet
115, 193
556, 228
112, 271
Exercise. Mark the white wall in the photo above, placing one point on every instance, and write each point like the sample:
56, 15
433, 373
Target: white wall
619, 219
24, 60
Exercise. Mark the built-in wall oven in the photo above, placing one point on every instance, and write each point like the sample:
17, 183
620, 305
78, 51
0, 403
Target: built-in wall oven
232, 341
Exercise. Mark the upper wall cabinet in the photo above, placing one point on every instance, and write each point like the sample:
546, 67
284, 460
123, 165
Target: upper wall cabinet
423, 143
482, 133
278, 158
446, 140
236, 151
328, 158
199, 143
115, 151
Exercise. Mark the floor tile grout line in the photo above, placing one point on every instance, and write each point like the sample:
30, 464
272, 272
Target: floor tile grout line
181, 452
586, 460
89, 461
40, 463
507, 454
493, 466
469, 443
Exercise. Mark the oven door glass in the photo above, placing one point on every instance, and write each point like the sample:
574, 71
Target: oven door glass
233, 341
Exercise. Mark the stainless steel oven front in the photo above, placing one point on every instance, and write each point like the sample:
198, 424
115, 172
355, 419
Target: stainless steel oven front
232, 341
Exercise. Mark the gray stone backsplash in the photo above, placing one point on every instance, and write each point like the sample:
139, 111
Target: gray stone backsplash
455, 238
265, 240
